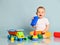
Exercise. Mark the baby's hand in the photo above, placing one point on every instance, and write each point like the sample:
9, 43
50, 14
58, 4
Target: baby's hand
34, 26
42, 32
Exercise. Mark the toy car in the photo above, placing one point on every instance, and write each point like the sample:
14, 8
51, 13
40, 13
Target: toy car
16, 35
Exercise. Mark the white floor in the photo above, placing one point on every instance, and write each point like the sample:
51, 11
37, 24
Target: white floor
52, 41
4, 41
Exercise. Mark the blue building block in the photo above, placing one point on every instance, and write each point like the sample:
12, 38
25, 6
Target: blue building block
21, 39
9, 36
34, 21
16, 38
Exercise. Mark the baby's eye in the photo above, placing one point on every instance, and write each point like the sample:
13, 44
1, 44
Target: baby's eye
42, 12
39, 12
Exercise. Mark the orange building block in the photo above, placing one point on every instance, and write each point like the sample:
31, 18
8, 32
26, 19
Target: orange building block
37, 32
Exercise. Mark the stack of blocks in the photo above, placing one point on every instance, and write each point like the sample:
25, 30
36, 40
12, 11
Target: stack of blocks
35, 37
42, 35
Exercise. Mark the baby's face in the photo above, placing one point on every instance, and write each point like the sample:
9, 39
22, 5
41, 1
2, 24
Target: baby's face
41, 13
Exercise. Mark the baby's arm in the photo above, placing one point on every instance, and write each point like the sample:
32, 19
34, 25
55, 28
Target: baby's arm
47, 28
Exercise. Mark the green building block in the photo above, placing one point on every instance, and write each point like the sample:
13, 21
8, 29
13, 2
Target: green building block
40, 36
20, 34
24, 38
30, 37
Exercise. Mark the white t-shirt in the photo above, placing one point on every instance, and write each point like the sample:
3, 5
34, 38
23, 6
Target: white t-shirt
41, 24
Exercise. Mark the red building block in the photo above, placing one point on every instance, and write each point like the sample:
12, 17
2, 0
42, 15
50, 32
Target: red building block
35, 33
57, 34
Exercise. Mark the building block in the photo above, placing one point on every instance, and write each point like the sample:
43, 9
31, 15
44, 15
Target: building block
34, 32
40, 36
12, 32
34, 21
20, 34
30, 37
25, 38
57, 34
35, 36
37, 32
9, 36
47, 35
12, 38
21, 39
16, 38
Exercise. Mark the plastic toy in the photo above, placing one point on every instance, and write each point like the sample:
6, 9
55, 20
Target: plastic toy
57, 34
12, 38
16, 38
47, 35
37, 32
20, 34
34, 21
9, 36
30, 37
16, 35
35, 36
41, 34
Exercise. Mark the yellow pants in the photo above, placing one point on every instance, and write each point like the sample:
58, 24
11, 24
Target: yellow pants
45, 35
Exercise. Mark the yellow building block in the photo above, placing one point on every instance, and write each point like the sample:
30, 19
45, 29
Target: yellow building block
35, 36
20, 36
47, 35
12, 39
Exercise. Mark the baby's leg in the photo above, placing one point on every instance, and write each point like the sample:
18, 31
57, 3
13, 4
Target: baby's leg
47, 35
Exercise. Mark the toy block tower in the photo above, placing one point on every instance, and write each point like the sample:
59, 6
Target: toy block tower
35, 35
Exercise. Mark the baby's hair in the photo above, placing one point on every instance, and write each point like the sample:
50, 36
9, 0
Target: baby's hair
39, 8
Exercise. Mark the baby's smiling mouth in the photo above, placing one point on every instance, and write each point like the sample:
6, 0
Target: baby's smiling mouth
40, 15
